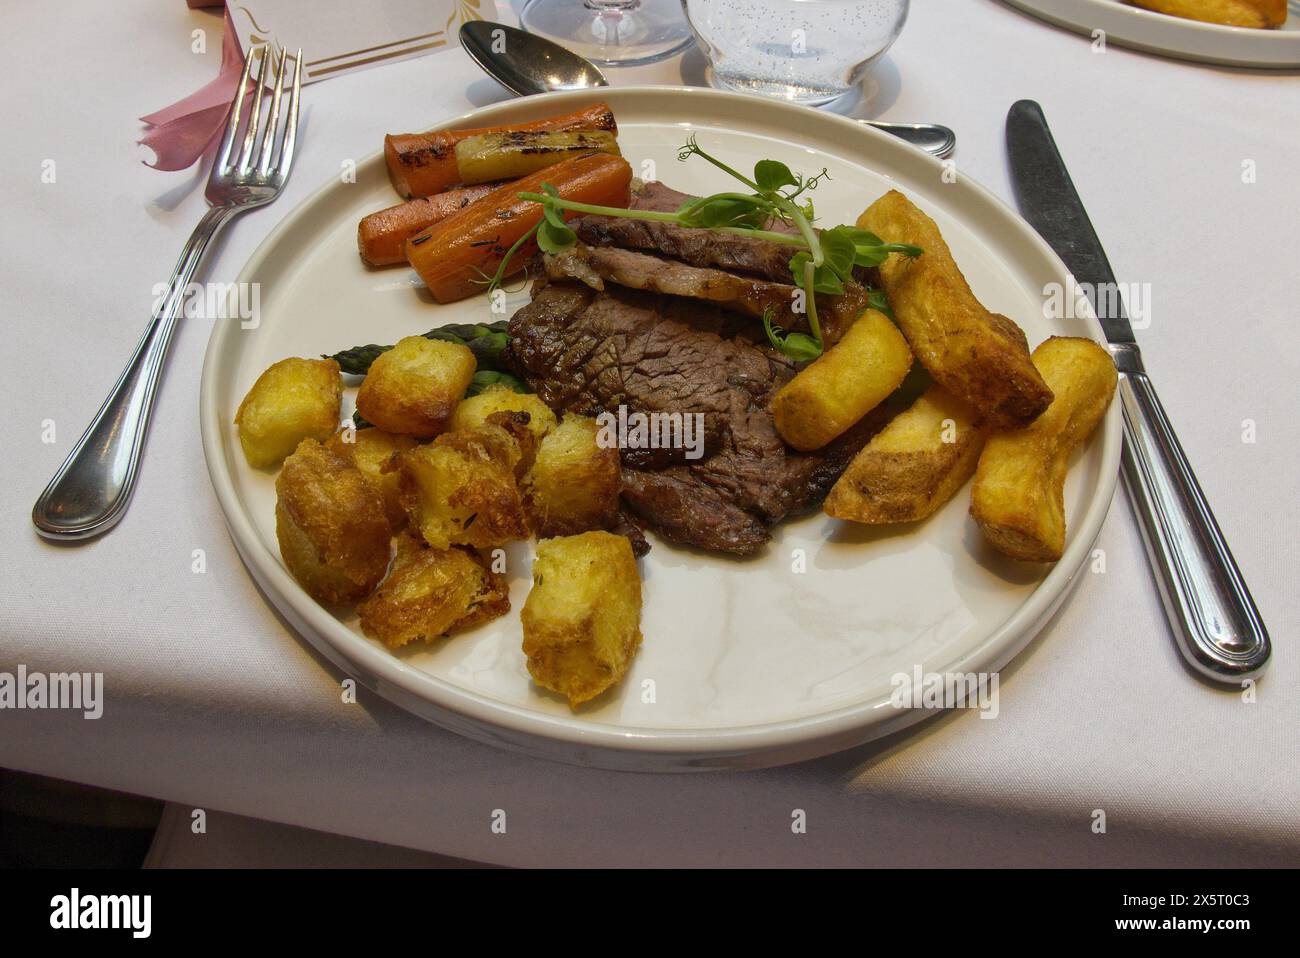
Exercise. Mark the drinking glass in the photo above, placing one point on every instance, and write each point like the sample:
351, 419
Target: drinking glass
610, 32
807, 51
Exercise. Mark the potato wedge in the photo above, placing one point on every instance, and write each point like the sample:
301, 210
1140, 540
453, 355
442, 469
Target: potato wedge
371, 451
1018, 496
330, 524
914, 465
474, 410
843, 384
1257, 14
430, 592
293, 400
978, 356
510, 154
574, 483
582, 618
413, 388
460, 489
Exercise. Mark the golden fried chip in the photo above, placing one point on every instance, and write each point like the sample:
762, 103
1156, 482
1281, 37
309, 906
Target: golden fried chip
1018, 497
978, 356
914, 465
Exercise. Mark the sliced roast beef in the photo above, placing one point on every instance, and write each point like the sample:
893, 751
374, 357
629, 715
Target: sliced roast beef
758, 259
695, 247
592, 351
684, 510
594, 265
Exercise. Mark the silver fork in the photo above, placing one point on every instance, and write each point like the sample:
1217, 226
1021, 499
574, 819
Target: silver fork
91, 490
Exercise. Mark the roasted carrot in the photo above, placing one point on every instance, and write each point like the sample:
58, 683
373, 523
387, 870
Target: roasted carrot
382, 236
454, 256
421, 164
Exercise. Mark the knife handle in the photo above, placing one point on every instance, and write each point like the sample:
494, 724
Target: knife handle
1210, 610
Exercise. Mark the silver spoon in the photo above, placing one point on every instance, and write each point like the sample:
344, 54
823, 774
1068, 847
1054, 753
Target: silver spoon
525, 64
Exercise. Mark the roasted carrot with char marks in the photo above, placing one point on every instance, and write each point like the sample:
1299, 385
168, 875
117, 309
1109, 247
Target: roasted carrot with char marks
455, 256
382, 236
421, 164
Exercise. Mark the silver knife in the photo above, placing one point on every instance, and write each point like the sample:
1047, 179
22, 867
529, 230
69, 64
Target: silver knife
1211, 612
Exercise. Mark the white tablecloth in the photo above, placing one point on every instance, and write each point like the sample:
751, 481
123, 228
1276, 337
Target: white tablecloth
213, 702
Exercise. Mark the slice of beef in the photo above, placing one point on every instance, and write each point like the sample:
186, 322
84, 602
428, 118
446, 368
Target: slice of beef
683, 510
758, 259
701, 505
638, 350
590, 352
695, 247
698, 247
594, 265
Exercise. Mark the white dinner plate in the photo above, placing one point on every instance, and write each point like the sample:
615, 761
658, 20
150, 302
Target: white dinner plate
744, 663
1159, 33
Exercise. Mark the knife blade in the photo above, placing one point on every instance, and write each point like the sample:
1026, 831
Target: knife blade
1212, 615
1048, 200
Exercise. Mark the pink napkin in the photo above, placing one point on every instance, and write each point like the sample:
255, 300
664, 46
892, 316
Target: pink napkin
179, 134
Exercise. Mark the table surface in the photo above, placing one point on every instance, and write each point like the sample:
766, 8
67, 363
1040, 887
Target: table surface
212, 701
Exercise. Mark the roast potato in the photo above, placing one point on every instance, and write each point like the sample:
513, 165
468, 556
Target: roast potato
460, 489
978, 356
574, 483
582, 618
330, 524
474, 410
372, 451
914, 465
1259, 14
518, 426
413, 388
1018, 496
293, 400
845, 383
430, 592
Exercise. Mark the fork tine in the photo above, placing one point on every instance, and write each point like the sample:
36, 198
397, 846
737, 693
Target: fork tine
272, 121
291, 127
245, 156
227, 141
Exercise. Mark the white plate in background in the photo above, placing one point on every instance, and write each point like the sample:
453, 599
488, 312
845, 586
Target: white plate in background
750, 662
1177, 37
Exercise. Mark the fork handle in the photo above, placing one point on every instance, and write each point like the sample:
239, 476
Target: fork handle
91, 490
1210, 609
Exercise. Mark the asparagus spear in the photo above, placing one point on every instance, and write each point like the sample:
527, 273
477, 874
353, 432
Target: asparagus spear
492, 377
